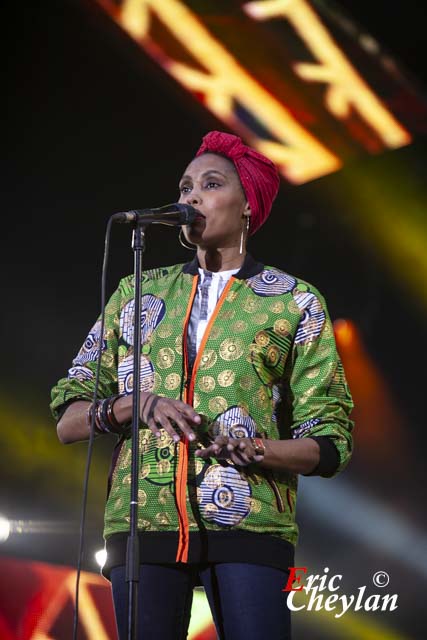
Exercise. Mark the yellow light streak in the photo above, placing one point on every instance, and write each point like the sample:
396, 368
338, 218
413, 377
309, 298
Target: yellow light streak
300, 156
30, 438
346, 89
392, 221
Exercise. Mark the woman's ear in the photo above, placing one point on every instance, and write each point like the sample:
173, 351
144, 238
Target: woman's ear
247, 210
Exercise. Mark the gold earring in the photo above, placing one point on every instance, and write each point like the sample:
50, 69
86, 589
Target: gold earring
243, 232
181, 241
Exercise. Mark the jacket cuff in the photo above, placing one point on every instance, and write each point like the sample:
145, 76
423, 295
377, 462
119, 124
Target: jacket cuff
59, 411
329, 460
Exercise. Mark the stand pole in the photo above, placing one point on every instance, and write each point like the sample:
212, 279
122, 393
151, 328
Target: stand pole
132, 550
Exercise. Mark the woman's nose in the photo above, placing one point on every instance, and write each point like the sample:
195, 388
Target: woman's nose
193, 198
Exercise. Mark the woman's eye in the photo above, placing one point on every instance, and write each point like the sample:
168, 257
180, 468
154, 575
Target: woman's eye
212, 185
185, 189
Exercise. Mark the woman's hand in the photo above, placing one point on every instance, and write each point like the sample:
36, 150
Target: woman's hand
164, 413
293, 456
239, 450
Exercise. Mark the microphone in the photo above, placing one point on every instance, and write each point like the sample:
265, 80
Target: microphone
174, 214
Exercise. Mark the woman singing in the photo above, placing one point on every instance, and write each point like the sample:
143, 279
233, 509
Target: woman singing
242, 389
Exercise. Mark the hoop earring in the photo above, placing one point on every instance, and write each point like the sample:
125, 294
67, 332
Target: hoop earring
181, 241
243, 232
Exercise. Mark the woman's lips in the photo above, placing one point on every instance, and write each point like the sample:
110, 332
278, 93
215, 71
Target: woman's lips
199, 217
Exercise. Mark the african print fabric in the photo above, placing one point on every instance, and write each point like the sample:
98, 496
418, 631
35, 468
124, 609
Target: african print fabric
268, 366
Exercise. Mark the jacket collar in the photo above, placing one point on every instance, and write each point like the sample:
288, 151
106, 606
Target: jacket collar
250, 267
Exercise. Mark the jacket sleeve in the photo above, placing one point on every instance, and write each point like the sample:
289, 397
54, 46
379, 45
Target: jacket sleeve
80, 381
320, 398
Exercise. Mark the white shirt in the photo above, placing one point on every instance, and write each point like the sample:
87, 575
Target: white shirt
209, 290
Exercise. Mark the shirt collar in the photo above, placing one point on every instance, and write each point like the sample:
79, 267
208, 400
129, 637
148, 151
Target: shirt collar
249, 268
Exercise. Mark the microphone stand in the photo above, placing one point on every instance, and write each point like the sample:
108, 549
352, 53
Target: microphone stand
132, 549
171, 214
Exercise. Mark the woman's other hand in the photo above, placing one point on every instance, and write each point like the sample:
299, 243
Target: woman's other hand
240, 451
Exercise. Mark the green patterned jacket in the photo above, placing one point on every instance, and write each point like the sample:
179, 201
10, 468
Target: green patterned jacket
267, 366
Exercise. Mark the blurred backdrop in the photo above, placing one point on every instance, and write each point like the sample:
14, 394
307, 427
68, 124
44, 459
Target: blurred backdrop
107, 103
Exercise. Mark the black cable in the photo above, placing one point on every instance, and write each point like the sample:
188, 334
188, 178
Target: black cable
92, 430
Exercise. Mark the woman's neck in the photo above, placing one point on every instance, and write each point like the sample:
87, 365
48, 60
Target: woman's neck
220, 259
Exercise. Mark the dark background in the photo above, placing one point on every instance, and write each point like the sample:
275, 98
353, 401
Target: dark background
92, 130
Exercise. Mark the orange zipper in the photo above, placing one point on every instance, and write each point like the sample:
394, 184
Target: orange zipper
182, 470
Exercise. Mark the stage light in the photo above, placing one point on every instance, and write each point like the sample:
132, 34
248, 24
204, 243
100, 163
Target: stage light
101, 557
4, 529
344, 332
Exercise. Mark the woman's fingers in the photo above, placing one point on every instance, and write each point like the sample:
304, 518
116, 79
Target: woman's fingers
180, 421
169, 414
158, 422
173, 415
240, 456
187, 411
217, 449
204, 453
239, 450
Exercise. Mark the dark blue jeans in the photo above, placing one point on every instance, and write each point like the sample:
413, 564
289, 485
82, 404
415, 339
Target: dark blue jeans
246, 600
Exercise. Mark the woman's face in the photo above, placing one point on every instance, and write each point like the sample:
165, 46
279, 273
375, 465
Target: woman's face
211, 185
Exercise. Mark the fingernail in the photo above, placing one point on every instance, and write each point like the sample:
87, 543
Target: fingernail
176, 438
191, 436
157, 434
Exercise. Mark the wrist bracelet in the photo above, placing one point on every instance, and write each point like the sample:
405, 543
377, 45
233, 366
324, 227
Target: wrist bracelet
107, 421
92, 415
114, 425
102, 414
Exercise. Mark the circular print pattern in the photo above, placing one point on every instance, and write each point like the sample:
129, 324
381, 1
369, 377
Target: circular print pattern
165, 358
271, 282
235, 423
207, 384
152, 313
160, 459
208, 359
172, 381
125, 375
226, 378
80, 373
224, 496
231, 349
89, 350
312, 317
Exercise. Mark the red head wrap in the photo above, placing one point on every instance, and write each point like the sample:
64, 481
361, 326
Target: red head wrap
258, 175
